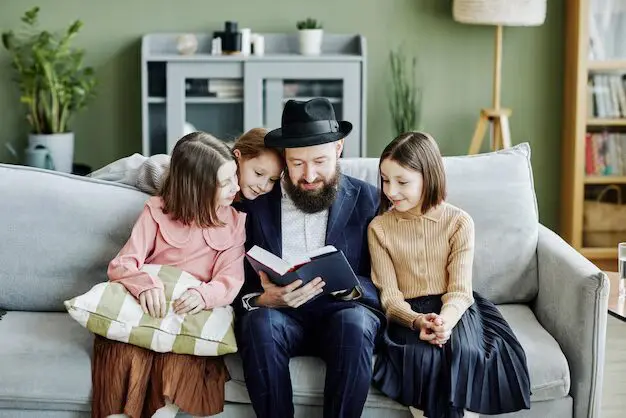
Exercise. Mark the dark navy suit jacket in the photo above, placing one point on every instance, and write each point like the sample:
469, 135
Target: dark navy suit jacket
349, 216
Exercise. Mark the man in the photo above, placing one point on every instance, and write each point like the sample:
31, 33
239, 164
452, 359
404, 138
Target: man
315, 205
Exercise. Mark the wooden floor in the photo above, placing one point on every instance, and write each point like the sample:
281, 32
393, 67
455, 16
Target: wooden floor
614, 387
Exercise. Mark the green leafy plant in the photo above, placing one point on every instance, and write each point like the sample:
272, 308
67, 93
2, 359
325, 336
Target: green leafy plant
309, 23
53, 83
405, 96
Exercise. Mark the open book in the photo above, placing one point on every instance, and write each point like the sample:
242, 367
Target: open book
327, 262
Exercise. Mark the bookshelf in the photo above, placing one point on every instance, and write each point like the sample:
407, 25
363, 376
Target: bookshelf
594, 121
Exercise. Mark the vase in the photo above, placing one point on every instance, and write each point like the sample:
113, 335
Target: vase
311, 41
61, 147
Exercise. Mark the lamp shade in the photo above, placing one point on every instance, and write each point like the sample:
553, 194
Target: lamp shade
500, 12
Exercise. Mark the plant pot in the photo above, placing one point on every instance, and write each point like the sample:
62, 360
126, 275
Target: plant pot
61, 147
311, 41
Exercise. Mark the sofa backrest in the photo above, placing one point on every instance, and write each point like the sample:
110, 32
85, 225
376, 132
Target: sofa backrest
497, 190
58, 234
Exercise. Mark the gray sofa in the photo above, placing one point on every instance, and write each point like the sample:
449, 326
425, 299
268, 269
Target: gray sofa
59, 232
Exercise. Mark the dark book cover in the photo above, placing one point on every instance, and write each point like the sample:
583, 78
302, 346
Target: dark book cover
332, 267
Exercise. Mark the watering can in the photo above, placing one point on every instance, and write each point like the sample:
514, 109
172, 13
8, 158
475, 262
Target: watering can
35, 156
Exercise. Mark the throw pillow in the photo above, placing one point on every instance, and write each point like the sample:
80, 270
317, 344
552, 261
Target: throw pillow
109, 310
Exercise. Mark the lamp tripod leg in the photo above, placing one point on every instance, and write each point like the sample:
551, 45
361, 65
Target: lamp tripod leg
479, 133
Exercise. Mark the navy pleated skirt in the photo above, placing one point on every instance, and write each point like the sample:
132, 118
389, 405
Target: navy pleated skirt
482, 367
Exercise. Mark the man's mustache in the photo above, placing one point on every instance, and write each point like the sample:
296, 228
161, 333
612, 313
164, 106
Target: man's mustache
318, 180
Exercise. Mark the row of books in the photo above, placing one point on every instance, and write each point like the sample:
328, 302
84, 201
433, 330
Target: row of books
606, 96
605, 154
230, 88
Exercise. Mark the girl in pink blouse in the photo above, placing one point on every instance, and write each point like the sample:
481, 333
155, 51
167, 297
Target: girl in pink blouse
190, 225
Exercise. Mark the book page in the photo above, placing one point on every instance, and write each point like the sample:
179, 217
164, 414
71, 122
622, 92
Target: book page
268, 259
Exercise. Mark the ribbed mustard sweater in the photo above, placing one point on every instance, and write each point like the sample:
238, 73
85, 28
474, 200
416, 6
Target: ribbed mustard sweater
415, 254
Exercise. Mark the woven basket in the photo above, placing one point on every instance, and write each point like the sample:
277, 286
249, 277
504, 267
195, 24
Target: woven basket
604, 223
500, 12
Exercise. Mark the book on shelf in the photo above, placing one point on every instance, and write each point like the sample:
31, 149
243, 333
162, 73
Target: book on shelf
605, 154
327, 262
606, 96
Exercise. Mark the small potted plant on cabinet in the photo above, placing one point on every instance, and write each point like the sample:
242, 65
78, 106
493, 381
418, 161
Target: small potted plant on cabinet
310, 33
54, 85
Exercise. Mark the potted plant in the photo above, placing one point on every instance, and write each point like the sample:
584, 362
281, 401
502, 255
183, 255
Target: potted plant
310, 33
54, 85
405, 96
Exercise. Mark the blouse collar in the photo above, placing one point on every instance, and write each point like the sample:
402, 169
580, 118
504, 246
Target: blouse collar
433, 214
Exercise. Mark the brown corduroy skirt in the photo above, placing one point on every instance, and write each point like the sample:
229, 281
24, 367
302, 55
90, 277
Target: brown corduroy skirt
135, 381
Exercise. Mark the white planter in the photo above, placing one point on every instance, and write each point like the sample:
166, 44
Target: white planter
311, 41
61, 148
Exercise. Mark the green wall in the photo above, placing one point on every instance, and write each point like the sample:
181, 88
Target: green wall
455, 59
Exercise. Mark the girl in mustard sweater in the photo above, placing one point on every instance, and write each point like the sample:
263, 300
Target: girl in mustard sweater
447, 350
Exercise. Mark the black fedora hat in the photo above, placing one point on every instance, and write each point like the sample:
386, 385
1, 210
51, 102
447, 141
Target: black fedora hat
308, 123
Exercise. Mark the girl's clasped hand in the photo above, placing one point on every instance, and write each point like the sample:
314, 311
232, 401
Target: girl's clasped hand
433, 329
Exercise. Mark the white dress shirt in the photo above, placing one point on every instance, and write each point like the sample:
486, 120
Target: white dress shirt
301, 232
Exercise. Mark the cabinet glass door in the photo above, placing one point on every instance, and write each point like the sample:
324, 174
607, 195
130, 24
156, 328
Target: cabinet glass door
279, 91
271, 85
205, 98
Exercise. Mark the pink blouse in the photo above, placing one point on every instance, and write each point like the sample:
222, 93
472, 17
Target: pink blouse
213, 255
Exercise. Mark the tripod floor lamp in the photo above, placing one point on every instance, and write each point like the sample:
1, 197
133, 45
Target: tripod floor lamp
499, 13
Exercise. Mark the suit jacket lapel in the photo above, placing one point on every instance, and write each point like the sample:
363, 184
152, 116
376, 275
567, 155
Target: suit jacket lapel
269, 216
341, 210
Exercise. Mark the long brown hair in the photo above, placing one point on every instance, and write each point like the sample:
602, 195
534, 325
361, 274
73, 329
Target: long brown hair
252, 144
417, 151
190, 187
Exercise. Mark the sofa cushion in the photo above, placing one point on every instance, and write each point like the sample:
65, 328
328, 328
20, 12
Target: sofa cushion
549, 371
307, 379
59, 232
45, 362
497, 190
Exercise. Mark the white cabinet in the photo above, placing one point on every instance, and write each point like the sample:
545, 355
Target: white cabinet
228, 95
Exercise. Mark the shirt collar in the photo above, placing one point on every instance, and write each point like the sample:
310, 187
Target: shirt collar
433, 214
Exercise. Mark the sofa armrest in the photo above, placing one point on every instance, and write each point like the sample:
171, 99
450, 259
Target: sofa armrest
572, 306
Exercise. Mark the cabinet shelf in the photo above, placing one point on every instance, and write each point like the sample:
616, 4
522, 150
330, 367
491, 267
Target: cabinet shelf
606, 122
333, 100
200, 100
599, 252
213, 100
605, 180
609, 65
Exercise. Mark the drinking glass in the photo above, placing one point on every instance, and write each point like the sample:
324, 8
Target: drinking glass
621, 268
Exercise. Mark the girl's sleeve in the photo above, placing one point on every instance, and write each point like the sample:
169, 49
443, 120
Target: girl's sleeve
228, 271
384, 277
459, 295
124, 268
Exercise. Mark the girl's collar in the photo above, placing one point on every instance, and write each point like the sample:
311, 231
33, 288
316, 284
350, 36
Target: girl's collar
433, 214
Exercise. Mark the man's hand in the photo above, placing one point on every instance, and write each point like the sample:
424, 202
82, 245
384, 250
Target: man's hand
189, 302
292, 295
152, 302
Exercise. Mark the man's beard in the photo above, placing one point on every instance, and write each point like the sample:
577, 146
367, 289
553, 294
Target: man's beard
312, 201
